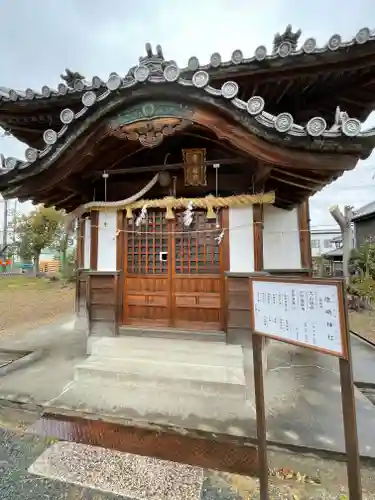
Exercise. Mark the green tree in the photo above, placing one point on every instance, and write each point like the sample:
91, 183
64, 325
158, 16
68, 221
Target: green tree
61, 245
36, 231
362, 261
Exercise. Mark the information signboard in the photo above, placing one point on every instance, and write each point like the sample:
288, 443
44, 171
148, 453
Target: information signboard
311, 313
304, 311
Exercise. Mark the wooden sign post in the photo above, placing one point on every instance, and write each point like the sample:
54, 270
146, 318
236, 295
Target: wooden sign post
310, 313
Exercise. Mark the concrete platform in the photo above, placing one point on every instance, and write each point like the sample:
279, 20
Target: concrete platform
209, 386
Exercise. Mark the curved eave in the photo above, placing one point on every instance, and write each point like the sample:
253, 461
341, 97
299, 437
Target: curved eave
345, 137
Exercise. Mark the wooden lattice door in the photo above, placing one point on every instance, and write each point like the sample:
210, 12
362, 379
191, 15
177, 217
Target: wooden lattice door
196, 298
147, 282
172, 273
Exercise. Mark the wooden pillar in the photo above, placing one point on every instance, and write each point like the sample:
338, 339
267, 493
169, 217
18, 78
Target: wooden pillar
81, 243
258, 237
122, 263
94, 240
80, 262
120, 238
258, 220
304, 235
225, 266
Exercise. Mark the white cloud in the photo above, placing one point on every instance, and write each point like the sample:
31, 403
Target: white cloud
97, 38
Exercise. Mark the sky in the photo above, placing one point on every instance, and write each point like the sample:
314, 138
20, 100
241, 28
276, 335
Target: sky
40, 39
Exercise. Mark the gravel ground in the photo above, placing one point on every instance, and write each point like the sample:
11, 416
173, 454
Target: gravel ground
17, 453
125, 474
31, 302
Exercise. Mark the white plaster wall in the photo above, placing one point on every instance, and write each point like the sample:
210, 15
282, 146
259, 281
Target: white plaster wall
241, 239
281, 246
87, 244
107, 241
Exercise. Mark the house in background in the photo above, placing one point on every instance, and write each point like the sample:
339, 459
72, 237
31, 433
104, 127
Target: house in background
364, 224
322, 240
333, 259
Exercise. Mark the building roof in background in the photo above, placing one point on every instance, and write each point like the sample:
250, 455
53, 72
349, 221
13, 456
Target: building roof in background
364, 212
326, 230
336, 252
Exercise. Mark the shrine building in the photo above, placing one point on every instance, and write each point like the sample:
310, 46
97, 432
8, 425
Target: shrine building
186, 180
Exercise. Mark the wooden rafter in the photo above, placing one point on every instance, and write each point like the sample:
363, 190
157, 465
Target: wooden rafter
288, 173
290, 183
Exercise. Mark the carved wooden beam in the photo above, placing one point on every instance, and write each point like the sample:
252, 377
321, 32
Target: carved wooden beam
150, 133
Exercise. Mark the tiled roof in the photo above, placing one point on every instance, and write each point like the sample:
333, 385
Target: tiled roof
154, 69
285, 49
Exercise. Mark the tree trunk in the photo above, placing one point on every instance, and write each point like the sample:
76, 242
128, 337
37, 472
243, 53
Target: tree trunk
63, 257
36, 261
63, 261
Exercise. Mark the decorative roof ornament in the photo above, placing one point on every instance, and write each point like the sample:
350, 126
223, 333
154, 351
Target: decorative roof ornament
288, 38
71, 78
350, 127
151, 64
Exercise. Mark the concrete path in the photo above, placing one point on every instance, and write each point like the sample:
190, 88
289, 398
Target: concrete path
63, 348
363, 361
302, 390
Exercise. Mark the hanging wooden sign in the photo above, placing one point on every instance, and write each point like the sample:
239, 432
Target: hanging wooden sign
195, 167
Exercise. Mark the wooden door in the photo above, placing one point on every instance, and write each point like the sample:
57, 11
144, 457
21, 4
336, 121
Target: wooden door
196, 284
173, 274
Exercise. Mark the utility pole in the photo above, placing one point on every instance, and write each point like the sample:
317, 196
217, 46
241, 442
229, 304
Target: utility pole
5, 222
344, 220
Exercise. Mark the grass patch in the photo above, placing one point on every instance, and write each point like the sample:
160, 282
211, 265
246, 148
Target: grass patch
28, 302
14, 283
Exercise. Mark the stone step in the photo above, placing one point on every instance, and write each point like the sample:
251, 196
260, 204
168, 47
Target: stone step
149, 370
191, 356
150, 404
180, 386
158, 348
174, 333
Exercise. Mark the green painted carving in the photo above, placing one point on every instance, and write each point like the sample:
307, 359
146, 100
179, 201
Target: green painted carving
150, 110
